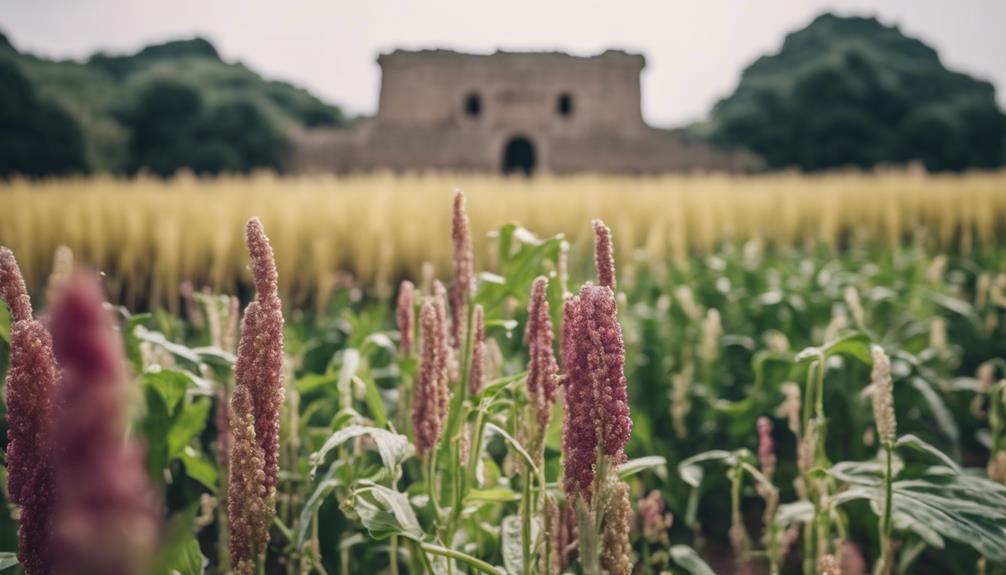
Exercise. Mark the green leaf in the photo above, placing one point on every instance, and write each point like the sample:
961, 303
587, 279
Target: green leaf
5, 328
170, 383
189, 422
690, 470
199, 468
938, 408
393, 448
374, 402
512, 543
967, 509
493, 428
491, 495
855, 345
385, 512
689, 560
321, 491
795, 512
8, 560
189, 559
913, 442
655, 462
156, 425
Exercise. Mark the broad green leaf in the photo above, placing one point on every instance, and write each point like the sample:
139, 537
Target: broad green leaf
795, 512
328, 483
689, 560
938, 408
5, 328
8, 560
156, 425
512, 541
655, 462
385, 512
856, 345
913, 442
967, 509
170, 383
491, 495
189, 559
690, 470
374, 401
189, 422
393, 448
199, 468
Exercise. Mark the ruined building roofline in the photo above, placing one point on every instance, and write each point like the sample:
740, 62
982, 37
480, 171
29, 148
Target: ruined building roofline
447, 54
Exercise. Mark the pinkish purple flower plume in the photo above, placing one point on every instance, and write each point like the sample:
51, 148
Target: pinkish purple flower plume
464, 270
766, 447
597, 407
604, 255
478, 375
107, 519
427, 413
655, 518
446, 355
405, 317
32, 377
542, 369
255, 409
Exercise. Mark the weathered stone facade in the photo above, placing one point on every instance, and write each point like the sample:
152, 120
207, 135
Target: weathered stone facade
508, 112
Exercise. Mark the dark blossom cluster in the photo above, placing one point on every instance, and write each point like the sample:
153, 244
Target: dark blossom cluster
107, 519
32, 377
255, 409
596, 393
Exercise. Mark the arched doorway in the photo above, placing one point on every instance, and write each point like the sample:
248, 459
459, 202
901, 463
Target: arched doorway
519, 156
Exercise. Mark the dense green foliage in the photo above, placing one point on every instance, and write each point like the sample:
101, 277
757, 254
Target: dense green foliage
697, 387
105, 114
852, 91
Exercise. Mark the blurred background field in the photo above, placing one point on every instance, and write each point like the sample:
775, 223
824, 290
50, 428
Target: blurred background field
150, 235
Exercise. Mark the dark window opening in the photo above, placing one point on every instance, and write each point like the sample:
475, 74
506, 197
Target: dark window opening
473, 105
519, 157
565, 105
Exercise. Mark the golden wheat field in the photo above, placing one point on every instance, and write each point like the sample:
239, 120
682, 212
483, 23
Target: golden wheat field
149, 235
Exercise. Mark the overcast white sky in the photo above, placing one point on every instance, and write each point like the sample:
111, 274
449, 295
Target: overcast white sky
695, 50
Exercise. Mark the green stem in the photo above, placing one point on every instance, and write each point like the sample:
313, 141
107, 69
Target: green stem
393, 555
525, 530
459, 556
886, 522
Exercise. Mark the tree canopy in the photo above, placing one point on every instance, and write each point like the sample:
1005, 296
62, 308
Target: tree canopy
854, 92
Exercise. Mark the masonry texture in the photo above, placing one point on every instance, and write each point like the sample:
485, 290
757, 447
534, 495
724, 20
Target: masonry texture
511, 113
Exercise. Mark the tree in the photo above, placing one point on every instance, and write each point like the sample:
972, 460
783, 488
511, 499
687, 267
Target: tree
853, 92
36, 137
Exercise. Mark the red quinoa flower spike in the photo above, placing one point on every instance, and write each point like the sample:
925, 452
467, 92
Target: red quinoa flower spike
604, 256
464, 270
405, 317
107, 520
32, 378
255, 409
597, 407
477, 379
542, 369
427, 417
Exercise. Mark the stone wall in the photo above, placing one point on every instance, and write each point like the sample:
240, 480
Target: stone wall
442, 110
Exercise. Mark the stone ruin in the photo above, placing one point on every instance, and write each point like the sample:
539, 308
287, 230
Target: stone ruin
509, 113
